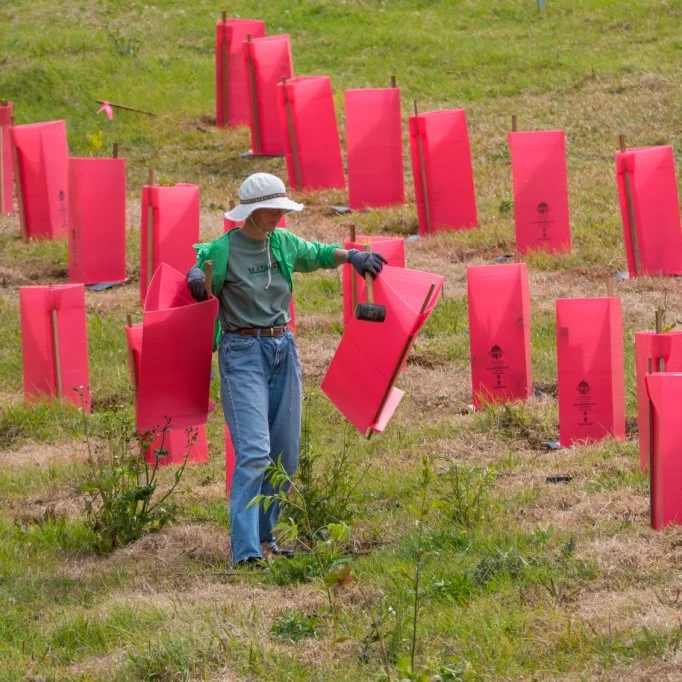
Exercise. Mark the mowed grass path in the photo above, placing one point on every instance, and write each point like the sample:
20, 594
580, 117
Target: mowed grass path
542, 581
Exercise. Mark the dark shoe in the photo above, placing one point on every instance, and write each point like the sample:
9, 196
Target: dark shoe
276, 550
250, 562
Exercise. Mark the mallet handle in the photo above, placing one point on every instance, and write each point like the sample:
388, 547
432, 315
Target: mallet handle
208, 275
353, 276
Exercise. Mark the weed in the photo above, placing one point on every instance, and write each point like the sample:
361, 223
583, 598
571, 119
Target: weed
508, 563
294, 626
465, 495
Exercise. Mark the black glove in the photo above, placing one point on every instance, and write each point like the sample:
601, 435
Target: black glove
366, 262
196, 281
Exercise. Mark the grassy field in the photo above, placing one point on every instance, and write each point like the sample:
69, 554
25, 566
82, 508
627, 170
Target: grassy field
519, 578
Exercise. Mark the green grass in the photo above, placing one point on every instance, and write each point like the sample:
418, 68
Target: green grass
505, 588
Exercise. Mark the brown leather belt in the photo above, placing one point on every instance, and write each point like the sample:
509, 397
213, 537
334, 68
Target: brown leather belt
262, 331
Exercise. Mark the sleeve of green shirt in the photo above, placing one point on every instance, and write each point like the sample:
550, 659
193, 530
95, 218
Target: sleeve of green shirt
312, 255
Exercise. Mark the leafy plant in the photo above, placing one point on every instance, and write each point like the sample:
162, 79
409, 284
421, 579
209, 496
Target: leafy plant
121, 493
294, 626
465, 495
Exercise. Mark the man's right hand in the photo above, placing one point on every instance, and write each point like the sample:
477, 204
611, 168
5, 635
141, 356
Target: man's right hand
196, 282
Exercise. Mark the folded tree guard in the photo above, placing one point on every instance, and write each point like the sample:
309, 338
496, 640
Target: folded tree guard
374, 144
232, 78
42, 168
665, 392
361, 378
540, 191
499, 333
177, 345
443, 175
268, 60
175, 228
591, 369
54, 343
97, 218
650, 172
354, 288
169, 445
6, 159
311, 136
230, 461
665, 352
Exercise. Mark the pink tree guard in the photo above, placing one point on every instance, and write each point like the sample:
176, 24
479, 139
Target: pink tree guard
374, 143
540, 191
442, 172
97, 218
6, 159
43, 167
591, 369
656, 208
499, 333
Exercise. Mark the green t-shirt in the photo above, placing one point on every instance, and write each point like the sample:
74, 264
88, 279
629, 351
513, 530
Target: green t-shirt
244, 299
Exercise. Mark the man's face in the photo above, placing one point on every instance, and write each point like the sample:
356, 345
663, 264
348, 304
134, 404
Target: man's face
267, 218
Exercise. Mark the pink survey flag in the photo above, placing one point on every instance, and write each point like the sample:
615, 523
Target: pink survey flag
54, 342
170, 445
665, 352
232, 84
591, 369
665, 392
175, 228
97, 218
540, 190
443, 174
499, 333
6, 159
43, 168
374, 142
310, 132
391, 248
656, 208
177, 346
267, 61
361, 378
106, 108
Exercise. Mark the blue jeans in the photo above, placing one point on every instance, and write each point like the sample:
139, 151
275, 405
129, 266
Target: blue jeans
260, 388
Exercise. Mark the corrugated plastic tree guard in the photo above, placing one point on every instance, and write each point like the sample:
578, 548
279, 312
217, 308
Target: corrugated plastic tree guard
499, 333
374, 144
232, 84
176, 228
447, 171
311, 135
97, 219
656, 207
268, 60
177, 345
6, 159
591, 369
40, 327
665, 392
174, 442
540, 191
43, 157
391, 248
361, 378
660, 348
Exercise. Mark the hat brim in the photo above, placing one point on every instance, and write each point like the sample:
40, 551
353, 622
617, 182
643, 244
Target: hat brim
243, 211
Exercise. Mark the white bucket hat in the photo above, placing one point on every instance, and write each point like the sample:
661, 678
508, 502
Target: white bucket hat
261, 190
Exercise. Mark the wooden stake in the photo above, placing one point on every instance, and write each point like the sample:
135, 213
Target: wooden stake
150, 228
131, 359
513, 123
208, 275
609, 287
422, 173
126, 108
292, 136
55, 353
257, 142
20, 195
631, 213
115, 150
225, 65
406, 349
353, 275
659, 330
393, 82
651, 451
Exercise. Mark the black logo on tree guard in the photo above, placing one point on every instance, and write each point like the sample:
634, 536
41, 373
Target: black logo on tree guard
496, 352
543, 208
584, 388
